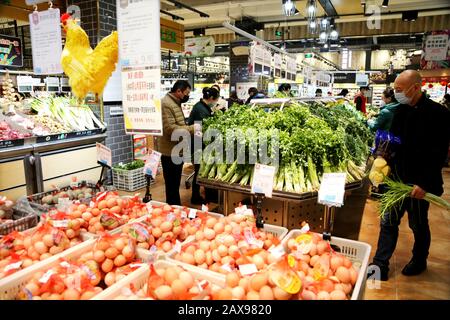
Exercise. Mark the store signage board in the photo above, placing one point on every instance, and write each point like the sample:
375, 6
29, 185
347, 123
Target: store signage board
362, 79
33, 2
25, 84
11, 143
344, 78
46, 41
141, 101
140, 60
152, 163
52, 84
104, 154
436, 47
10, 51
199, 47
116, 111
64, 136
263, 179
332, 189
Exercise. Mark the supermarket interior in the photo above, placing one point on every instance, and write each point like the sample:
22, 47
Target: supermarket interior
224, 150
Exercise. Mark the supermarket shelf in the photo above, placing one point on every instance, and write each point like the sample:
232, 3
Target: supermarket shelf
68, 143
15, 152
277, 195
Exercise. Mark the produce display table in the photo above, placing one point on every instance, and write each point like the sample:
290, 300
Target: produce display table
283, 209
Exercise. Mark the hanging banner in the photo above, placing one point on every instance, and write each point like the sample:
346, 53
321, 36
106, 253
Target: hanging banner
10, 51
199, 47
141, 101
436, 50
140, 58
46, 42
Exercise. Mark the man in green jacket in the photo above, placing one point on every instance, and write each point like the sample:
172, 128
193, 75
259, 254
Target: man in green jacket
384, 120
173, 119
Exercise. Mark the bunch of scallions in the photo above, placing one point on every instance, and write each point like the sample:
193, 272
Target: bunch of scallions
397, 192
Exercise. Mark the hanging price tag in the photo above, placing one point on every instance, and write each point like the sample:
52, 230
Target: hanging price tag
104, 155
46, 276
263, 179
152, 163
205, 208
60, 223
332, 189
13, 266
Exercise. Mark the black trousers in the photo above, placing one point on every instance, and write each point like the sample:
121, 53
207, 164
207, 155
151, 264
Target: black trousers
418, 222
172, 179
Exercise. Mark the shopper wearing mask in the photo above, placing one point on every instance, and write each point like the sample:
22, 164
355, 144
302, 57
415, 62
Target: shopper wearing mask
254, 94
173, 119
389, 106
361, 100
423, 127
222, 104
284, 91
202, 110
234, 99
318, 93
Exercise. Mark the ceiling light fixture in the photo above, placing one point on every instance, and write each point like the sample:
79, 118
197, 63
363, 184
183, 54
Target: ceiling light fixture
385, 3
311, 9
288, 7
334, 35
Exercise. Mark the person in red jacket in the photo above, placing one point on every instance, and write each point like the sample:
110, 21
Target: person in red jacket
361, 100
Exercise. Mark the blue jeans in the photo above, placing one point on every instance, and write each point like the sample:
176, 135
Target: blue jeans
418, 222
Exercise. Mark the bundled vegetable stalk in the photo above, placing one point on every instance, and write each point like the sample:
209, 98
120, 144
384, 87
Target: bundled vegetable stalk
309, 139
397, 192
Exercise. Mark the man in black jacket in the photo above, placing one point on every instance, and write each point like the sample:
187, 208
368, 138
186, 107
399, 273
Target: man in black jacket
424, 129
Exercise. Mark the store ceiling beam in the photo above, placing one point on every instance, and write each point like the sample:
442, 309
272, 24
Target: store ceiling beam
182, 5
327, 5
174, 16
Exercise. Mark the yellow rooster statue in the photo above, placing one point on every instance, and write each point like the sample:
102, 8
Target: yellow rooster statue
88, 70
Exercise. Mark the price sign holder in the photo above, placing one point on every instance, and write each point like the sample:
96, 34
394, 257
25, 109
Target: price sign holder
331, 195
259, 217
148, 196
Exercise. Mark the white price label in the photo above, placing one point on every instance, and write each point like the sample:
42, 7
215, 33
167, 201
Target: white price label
46, 276
263, 179
226, 267
92, 204
240, 210
205, 208
305, 228
13, 266
65, 264
60, 223
277, 251
177, 246
192, 214
332, 189
136, 265
247, 269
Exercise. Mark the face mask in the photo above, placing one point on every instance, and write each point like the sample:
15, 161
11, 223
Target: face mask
402, 98
185, 99
212, 104
382, 103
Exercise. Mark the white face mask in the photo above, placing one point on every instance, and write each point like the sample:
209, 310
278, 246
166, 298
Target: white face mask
402, 98
382, 104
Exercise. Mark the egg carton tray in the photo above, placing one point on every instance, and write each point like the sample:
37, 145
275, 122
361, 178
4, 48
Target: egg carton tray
13, 284
358, 252
279, 232
140, 277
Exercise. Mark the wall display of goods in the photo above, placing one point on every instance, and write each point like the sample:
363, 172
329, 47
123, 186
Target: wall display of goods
314, 138
46, 115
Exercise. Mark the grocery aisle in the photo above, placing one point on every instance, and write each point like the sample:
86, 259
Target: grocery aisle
432, 284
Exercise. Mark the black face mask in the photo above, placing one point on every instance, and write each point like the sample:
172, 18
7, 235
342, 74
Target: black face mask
185, 99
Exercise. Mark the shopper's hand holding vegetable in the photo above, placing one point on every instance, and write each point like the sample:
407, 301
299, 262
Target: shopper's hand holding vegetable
418, 192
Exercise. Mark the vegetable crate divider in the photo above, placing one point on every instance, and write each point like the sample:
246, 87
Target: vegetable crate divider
129, 180
13, 284
279, 232
358, 252
140, 277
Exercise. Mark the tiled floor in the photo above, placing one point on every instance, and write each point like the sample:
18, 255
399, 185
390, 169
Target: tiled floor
432, 284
